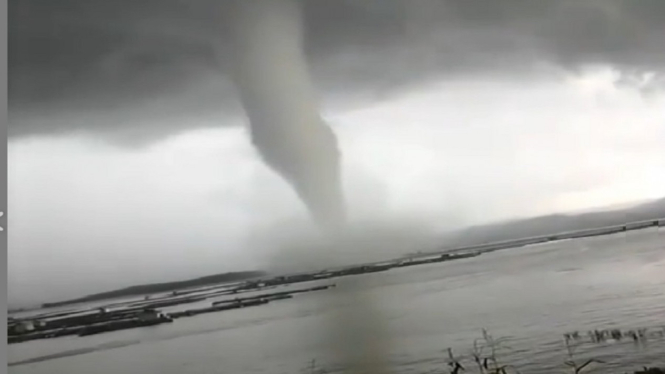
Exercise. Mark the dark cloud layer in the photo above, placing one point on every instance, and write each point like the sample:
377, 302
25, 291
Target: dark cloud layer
114, 63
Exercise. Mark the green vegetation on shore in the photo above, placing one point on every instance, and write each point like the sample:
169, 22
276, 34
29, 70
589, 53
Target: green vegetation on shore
145, 289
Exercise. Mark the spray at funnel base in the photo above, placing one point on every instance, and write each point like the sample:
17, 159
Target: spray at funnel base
276, 90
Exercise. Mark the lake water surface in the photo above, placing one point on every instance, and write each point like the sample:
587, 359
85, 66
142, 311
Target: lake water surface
531, 295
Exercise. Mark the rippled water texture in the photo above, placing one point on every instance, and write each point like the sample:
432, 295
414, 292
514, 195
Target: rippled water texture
532, 295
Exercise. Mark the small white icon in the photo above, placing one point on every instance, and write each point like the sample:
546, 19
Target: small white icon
2, 228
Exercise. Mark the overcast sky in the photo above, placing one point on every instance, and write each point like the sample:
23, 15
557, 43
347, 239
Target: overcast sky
496, 114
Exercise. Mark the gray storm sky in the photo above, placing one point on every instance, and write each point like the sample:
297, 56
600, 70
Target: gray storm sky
128, 162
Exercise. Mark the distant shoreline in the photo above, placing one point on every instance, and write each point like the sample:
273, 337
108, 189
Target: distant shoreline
577, 234
230, 277
146, 289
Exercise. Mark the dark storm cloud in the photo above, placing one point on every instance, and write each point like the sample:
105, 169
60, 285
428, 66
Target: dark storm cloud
167, 59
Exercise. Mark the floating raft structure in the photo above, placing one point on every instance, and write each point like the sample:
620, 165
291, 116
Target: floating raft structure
101, 321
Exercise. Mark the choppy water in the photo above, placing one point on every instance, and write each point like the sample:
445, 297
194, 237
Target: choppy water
531, 295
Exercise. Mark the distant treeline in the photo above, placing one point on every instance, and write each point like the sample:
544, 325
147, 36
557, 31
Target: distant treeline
146, 289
